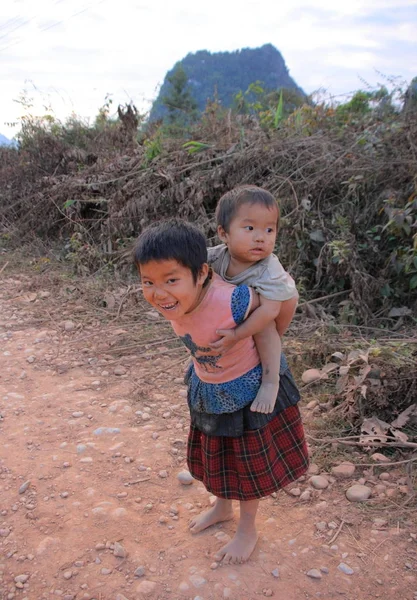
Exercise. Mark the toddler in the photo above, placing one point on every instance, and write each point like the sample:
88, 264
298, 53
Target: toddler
247, 223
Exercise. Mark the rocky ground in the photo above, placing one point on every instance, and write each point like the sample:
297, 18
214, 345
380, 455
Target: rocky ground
91, 505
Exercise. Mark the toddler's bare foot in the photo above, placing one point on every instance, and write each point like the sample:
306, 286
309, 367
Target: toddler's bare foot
239, 549
266, 398
221, 511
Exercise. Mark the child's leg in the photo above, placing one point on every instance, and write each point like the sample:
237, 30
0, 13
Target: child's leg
268, 344
221, 511
286, 315
239, 549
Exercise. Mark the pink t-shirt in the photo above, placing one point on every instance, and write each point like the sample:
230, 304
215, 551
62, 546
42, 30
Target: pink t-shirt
223, 307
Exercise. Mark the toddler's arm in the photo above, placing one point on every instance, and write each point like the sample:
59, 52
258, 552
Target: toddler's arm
267, 312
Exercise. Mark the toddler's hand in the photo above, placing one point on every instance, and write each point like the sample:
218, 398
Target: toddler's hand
227, 340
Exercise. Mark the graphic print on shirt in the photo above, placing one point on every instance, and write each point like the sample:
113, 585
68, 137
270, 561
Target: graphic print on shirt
208, 363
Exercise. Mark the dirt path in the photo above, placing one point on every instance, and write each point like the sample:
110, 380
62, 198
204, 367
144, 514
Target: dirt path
103, 515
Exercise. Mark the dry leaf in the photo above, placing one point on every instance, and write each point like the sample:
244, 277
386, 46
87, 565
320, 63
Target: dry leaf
329, 368
399, 435
404, 417
373, 430
341, 384
109, 301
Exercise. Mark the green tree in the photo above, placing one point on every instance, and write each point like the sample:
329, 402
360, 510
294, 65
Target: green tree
182, 108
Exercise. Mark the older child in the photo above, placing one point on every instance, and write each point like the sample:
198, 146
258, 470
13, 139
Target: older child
238, 454
247, 222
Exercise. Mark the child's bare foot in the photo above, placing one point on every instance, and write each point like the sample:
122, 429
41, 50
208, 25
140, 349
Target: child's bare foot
221, 511
239, 549
265, 398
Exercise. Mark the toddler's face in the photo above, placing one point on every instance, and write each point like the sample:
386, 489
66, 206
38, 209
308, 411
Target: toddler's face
252, 233
169, 287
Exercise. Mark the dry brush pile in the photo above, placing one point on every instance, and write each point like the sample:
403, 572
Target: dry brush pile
347, 194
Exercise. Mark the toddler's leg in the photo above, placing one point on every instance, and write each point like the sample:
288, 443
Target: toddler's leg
268, 344
286, 314
221, 511
239, 549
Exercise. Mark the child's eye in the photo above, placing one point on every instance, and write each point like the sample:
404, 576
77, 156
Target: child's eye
248, 228
172, 280
147, 283
270, 230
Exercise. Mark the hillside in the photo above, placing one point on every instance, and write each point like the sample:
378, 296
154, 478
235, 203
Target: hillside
227, 73
4, 141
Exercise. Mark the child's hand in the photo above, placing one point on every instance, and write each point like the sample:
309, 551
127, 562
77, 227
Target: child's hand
227, 340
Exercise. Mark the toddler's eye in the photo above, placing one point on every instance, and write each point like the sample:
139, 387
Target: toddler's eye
147, 283
248, 228
172, 280
270, 230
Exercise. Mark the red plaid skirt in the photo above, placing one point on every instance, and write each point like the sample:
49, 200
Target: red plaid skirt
254, 465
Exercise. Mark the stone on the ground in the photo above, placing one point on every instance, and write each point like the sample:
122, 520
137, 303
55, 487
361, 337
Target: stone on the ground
358, 493
310, 375
305, 496
344, 470
314, 574
163, 474
319, 482
378, 457
67, 575
119, 550
275, 573
146, 587
296, 492
24, 487
21, 578
185, 478
197, 580
119, 370
103, 430
139, 572
68, 325
313, 469
321, 526
345, 569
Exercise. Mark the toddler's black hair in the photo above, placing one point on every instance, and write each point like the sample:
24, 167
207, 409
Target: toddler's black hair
172, 239
231, 201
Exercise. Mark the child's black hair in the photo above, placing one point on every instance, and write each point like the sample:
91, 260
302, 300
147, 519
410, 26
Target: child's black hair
231, 201
172, 239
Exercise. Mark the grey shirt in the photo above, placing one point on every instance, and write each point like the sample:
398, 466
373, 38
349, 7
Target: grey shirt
267, 277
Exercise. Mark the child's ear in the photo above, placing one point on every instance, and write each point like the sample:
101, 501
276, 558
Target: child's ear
222, 234
202, 276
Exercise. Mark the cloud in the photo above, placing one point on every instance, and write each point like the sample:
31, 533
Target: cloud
76, 52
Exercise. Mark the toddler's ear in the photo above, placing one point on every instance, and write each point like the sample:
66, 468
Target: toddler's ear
222, 234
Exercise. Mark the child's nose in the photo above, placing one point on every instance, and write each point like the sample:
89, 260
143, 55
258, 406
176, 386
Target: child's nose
159, 293
259, 236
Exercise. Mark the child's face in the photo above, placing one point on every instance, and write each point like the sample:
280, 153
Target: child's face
252, 233
169, 287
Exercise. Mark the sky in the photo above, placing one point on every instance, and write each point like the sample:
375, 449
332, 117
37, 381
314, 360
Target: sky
71, 54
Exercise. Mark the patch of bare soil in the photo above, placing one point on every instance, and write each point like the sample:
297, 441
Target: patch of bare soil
90, 504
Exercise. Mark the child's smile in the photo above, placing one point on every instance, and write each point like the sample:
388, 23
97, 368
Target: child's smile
170, 288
